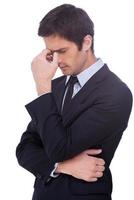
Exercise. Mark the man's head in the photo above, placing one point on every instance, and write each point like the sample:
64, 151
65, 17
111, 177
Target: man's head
68, 31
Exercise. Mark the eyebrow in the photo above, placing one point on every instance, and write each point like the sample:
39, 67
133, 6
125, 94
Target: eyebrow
58, 50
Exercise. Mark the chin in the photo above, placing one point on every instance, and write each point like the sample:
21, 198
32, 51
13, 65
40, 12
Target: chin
65, 72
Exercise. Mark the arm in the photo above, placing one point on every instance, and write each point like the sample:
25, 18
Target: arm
83, 166
31, 156
60, 142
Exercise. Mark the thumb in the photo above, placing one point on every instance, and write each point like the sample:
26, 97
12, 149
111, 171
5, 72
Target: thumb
93, 151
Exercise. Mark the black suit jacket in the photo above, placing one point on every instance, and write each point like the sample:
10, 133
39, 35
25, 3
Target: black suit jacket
97, 117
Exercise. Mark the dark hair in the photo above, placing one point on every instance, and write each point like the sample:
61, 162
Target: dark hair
69, 22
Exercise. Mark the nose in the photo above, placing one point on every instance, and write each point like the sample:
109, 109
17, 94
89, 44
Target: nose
59, 61
59, 57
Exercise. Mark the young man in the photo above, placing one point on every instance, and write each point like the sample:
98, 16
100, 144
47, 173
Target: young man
78, 119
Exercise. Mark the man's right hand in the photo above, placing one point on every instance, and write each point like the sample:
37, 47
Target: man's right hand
83, 166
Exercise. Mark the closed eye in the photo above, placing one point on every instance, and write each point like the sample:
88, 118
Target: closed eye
62, 52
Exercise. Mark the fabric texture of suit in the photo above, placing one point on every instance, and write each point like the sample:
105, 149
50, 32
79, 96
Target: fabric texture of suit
97, 117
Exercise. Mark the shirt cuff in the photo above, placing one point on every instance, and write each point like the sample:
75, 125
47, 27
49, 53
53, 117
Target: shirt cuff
53, 174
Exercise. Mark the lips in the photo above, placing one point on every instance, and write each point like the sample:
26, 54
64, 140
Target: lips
62, 66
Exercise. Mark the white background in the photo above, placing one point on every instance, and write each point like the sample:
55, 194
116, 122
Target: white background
19, 43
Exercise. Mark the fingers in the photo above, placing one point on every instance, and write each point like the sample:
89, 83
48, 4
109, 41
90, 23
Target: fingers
100, 161
52, 58
98, 174
49, 56
45, 52
93, 151
42, 55
100, 168
93, 179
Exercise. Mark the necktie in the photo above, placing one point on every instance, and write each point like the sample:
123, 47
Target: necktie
69, 93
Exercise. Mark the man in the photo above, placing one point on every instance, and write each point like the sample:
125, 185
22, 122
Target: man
78, 119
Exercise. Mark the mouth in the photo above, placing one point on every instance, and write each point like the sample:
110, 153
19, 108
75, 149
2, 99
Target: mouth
61, 66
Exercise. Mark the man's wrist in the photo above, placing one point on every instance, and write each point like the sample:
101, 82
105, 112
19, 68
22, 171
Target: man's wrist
62, 168
43, 88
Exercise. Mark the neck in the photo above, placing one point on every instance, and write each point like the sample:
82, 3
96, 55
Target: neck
91, 59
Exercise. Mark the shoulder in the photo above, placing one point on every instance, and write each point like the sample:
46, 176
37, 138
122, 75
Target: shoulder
114, 91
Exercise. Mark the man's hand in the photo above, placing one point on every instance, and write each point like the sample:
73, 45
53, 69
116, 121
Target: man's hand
83, 166
44, 67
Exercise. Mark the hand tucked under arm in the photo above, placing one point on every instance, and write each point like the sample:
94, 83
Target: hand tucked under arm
83, 166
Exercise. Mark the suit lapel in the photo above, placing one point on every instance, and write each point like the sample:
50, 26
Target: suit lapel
58, 89
79, 102
83, 99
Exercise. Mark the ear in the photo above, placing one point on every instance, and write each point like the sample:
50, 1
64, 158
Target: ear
87, 42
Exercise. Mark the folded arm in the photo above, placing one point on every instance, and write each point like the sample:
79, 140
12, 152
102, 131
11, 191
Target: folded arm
91, 128
31, 156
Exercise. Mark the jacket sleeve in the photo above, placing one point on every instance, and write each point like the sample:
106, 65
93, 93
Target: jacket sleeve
31, 154
91, 128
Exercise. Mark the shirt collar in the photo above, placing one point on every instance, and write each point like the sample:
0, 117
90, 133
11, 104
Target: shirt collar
85, 75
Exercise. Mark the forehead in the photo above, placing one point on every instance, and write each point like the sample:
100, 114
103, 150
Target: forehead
55, 42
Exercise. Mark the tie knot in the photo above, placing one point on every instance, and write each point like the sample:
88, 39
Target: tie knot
73, 80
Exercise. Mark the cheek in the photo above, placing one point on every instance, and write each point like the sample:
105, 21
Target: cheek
76, 59
67, 59
72, 58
